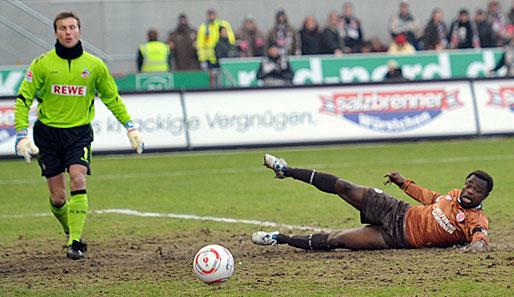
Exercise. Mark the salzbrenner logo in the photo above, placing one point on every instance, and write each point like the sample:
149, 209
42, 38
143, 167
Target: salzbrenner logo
7, 129
68, 90
391, 111
502, 97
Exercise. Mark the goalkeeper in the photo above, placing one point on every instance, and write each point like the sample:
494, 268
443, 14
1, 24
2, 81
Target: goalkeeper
64, 81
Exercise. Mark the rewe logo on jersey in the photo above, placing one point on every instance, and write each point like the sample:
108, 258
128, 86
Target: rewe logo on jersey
391, 111
68, 90
7, 129
502, 97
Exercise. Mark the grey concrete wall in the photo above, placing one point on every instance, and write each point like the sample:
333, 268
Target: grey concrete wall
118, 26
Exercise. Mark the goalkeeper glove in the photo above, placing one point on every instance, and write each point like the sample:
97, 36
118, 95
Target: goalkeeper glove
24, 146
134, 137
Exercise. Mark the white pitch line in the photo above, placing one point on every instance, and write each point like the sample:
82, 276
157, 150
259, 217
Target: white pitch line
131, 212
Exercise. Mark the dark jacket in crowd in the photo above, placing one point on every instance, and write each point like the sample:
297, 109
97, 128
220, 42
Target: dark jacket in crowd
331, 40
275, 70
183, 51
311, 42
435, 34
224, 49
486, 34
352, 32
461, 35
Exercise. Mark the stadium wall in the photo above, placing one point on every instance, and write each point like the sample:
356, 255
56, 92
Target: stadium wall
231, 118
117, 27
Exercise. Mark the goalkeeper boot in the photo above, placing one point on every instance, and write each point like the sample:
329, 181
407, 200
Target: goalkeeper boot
265, 238
276, 164
76, 250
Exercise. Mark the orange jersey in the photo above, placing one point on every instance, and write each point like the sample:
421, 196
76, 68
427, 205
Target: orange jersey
441, 221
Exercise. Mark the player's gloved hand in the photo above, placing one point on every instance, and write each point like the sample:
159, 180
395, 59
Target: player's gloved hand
475, 246
134, 137
394, 177
24, 147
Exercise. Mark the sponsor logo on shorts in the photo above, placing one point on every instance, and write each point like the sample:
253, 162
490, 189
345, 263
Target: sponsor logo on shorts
443, 220
68, 90
502, 97
391, 111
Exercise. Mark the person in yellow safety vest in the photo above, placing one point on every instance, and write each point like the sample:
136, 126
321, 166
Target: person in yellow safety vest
207, 38
154, 55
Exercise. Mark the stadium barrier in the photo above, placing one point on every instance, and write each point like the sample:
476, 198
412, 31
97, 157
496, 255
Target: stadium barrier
323, 69
248, 117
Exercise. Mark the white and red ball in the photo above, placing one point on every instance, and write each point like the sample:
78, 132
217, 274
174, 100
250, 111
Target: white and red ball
213, 264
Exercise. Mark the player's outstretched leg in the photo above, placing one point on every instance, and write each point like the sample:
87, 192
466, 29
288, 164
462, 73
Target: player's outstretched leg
311, 242
365, 238
325, 182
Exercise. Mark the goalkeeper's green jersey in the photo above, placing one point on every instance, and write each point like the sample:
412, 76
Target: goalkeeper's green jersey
65, 90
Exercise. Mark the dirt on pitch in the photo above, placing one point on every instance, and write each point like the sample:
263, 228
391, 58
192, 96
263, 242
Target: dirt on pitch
42, 266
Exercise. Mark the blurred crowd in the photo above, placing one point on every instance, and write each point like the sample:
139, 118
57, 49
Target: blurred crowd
188, 48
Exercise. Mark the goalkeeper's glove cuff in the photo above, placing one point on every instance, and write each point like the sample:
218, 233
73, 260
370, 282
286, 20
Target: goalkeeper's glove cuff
24, 146
136, 141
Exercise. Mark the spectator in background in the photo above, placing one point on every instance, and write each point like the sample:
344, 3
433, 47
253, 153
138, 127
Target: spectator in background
394, 71
275, 69
154, 55
511, 15
331, 41
497, 20
310, 37
182, 43
401, 46
225, 49
507, 58
436, 32
207, 38
484, 30
350, 28
377, 46
283, 35
405, 23
250, 39
461, 31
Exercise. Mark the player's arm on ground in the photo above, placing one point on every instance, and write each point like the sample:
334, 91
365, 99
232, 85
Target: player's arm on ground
419, 193
108, 93
477, 230
28, 90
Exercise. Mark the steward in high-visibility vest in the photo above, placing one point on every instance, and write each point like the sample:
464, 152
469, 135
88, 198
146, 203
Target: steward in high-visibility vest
154, 55
208, 36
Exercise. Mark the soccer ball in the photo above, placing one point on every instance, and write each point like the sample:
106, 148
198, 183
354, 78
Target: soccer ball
213, 264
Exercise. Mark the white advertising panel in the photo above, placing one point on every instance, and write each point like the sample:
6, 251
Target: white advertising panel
7, 130
157, 116
330, 114
495, 104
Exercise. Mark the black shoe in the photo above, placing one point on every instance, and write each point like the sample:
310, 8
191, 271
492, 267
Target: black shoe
76, 250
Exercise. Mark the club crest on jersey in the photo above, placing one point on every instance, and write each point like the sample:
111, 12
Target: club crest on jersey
68, 90
28, 76
502, 97
460, 216
391, 111
85, 73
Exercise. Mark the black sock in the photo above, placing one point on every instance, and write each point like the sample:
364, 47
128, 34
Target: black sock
311, 242
323, 181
